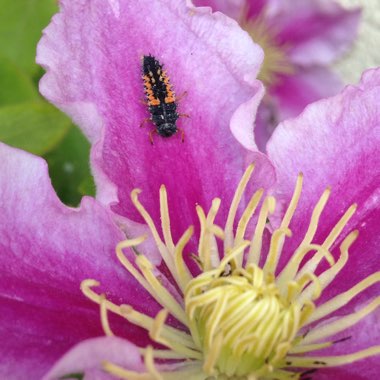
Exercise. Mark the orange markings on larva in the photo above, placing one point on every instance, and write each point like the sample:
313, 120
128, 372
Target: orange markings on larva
170, 96
149, 94
170, 99
153, 102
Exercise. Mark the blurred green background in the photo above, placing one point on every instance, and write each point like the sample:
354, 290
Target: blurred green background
27, 121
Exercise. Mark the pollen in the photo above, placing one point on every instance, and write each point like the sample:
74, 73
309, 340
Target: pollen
245, 317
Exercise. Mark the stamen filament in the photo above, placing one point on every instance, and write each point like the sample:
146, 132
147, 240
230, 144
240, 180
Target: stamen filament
149, 364
343, 298
184, 275
273, 255
337, 230
247, 215
150, 282
160, 293
341, 323
128, 265
229, 239
293, 203
165, 220
331, 361
268, 207
207, 248
103, 316
327, 276
312, 264
313, 225
168, 259
245, 219
289, 212
213, 258
315, 290
137, 318
310, 347
291, 270
123, 373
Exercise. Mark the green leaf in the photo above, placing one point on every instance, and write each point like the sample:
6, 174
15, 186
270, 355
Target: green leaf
72, 376
15, 85
87, 186
21, 24
69, 168
34, 126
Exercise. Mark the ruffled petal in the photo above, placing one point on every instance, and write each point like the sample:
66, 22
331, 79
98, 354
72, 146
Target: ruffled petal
294, 92
87, 358
336, 142
47, 249
92, 52
290, 96
231, 8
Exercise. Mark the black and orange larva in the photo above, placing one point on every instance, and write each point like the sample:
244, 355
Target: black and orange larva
160, 98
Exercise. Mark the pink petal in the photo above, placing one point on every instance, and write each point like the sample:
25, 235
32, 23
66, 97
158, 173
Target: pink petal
92, 51
87, 357
267, 119
306, 86
231, 8
47, 250
364, 334
317, 31
289, 97
336, 142
234, 8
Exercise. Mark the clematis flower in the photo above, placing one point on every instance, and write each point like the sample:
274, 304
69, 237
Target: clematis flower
263, 305
283, 306
300, 40
50, 248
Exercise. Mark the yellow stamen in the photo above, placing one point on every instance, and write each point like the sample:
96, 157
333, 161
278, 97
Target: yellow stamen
276, 61
254, 254
164, 251
103, 316
228, 242
184, 275
332, 361
293, 203
165, 219
343, 298
207, 248
335, 232
342, 323
240, 321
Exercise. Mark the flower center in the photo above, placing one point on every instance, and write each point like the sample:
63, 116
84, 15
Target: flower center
243, 320
276, 61
240, 320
